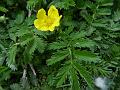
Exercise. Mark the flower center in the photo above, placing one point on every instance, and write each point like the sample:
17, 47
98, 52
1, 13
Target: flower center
49, 21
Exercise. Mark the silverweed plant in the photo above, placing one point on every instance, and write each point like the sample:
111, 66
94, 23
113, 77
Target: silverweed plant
59, 44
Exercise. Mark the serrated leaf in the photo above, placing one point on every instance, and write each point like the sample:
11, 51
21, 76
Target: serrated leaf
12, 33
40, 33
81, 4
114, 27
85, 56
23, 29
40, 44
58, 56
11, 57
2, 54
86, 16
83, 43
116, 15
90, 5
33, 46
26, 41
77, 35
105, 2
26, 55
74, 80
99, 24
84, 74
57, 45
4, 73
62, 75
62, 79
104, 11
64, 4
90, 30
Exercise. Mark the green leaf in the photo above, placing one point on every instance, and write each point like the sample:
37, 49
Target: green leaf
83, 43
62, 75
85, 56
64, 4
116, 15
90, 5
29, 20
57, 45
1, 88
86, 16
35, 43
20, 17
114, 27
12, 33
26, 41
16, 87
31, 4
2, 54
81, 4
32, 46
11, 57
105, 2
4, 73
40, 44
84, 74
115, 50
3, 9
97, 24
1, 60
74, 79
27, 57
58, 56
23, 29
104, 11
77, 35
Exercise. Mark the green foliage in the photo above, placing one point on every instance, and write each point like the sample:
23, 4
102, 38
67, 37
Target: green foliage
60, 55
86, 56
74, 78
11, 57
63, 4
85, 46
3, 9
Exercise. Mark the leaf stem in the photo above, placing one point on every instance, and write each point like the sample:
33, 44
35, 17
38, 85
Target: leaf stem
24, 73
32, 68
71, 56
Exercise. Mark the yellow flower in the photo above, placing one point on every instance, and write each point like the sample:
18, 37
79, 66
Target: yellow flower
47, 22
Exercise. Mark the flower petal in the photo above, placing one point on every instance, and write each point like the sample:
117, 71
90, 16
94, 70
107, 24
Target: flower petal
53, 12
51, 28
41, 14
40, 24
57, 21
36, 23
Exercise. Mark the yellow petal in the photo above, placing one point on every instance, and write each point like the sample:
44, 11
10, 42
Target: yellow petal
40, 24
53, 12
41, 14
51, 28
36, 23
57, 22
